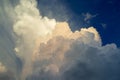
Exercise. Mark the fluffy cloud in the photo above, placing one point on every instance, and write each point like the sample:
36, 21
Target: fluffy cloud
29, 23
74, 59
46, 49
77, 58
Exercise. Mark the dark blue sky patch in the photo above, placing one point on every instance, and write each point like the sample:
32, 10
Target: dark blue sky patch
108, 12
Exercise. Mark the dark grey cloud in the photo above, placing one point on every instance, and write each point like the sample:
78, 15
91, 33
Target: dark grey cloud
7, 76
101, 63
7, 54
85, 62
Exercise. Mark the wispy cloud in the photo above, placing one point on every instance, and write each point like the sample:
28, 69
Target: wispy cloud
88, 16
104, 25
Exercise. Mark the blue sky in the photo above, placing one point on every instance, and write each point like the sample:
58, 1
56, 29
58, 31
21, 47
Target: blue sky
106, 15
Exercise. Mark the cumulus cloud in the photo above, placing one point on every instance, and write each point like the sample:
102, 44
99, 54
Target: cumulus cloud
50, 50
74, 59
29, 25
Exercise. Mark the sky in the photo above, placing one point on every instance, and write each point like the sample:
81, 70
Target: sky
106, 20
59, 40
102, 14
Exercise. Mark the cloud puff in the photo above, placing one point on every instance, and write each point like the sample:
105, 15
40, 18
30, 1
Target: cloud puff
55, 52
104, 25
2, 68
88, 16
51, 50
29, 23
69, 58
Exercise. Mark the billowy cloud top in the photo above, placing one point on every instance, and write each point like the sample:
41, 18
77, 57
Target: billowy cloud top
50, 50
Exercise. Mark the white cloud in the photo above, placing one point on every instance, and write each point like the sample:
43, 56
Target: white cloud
52, 47
29, 26
50, 50
38, 38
